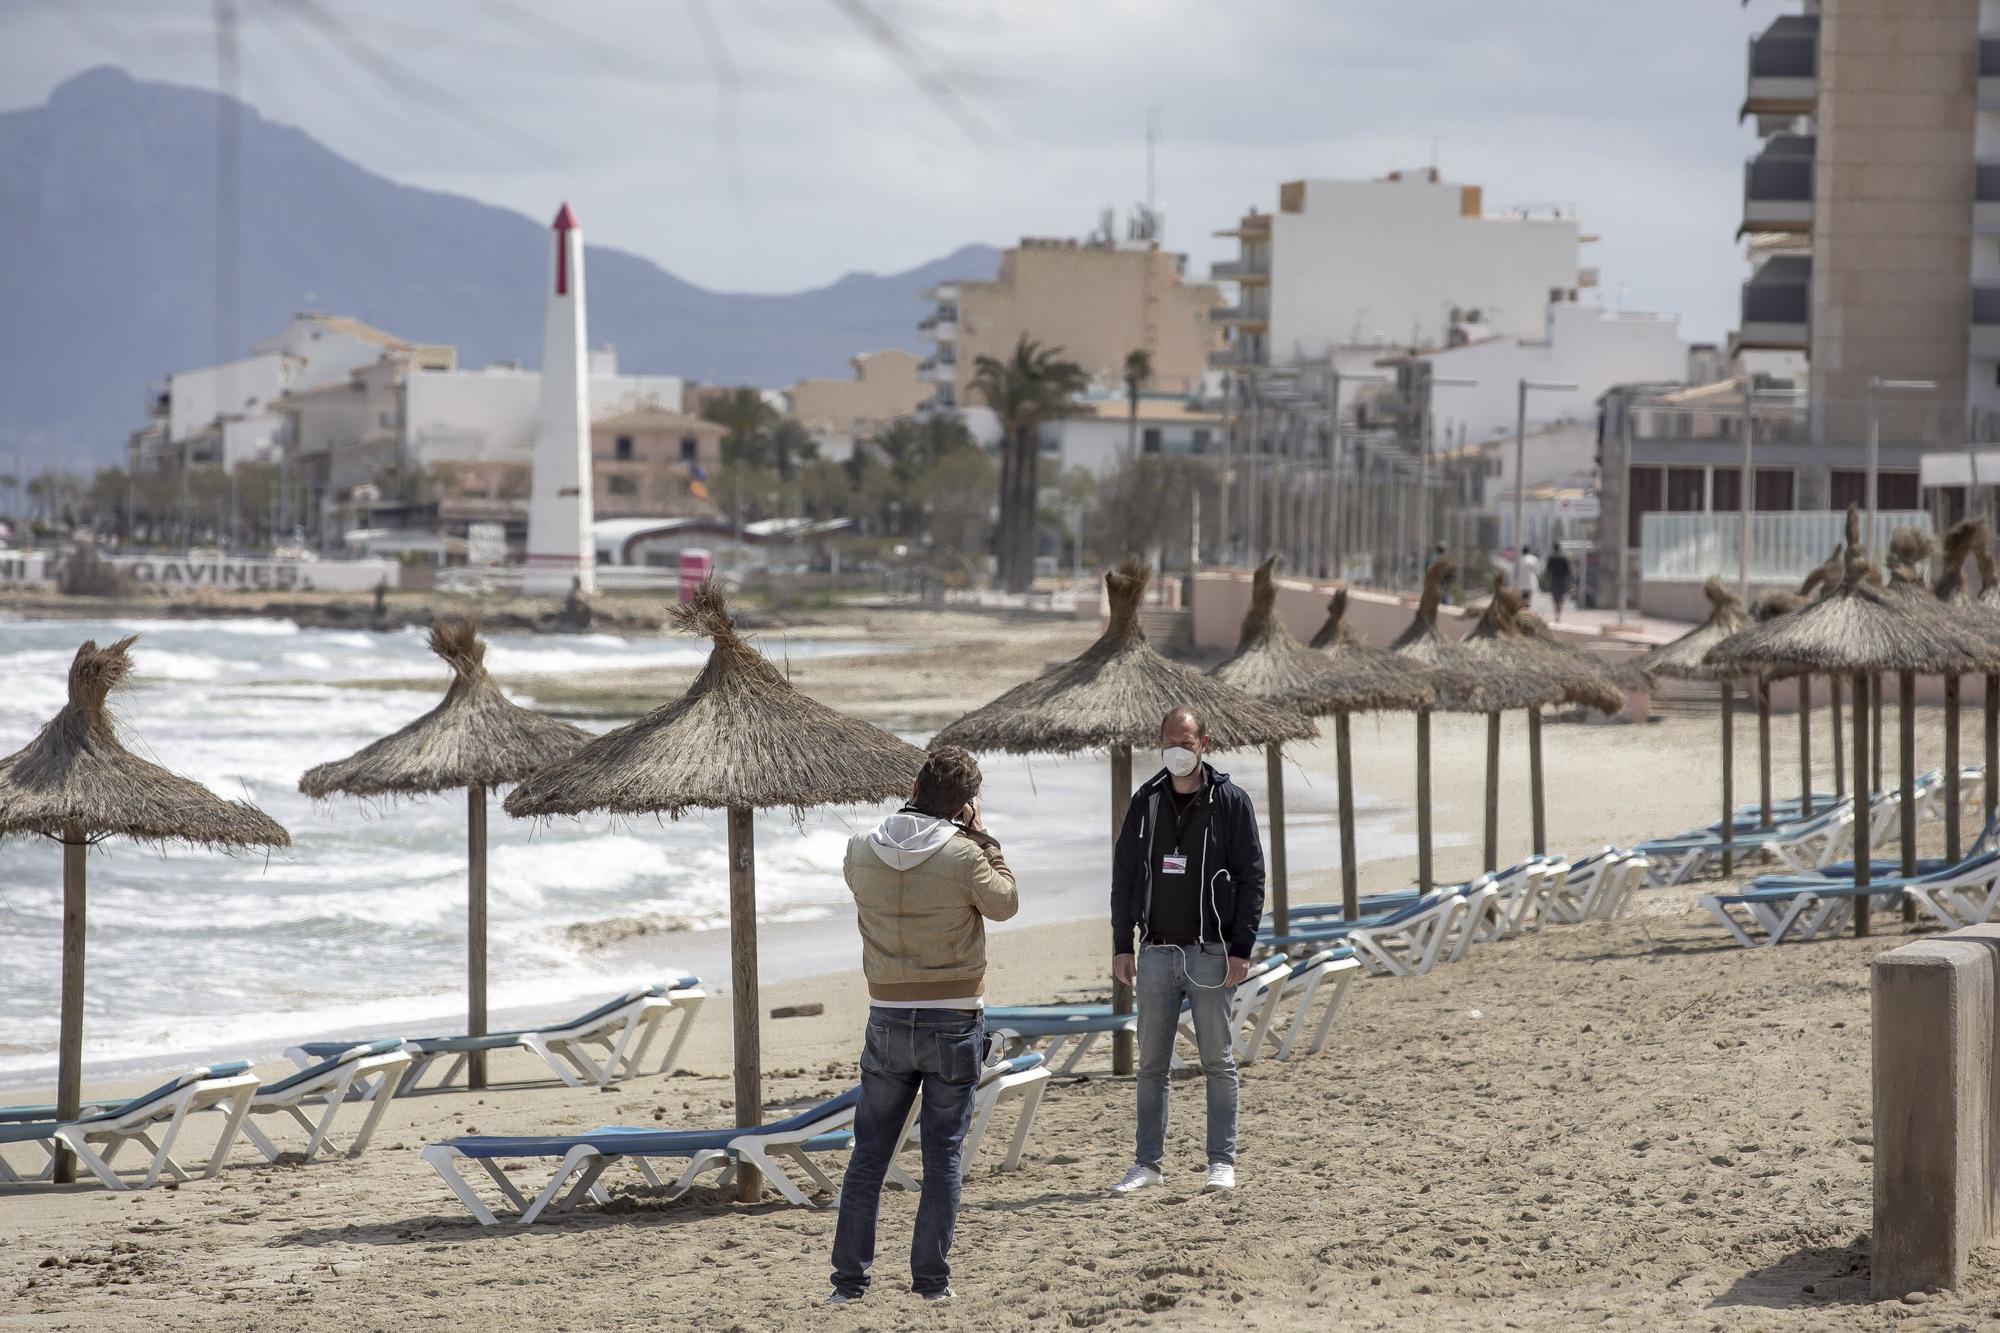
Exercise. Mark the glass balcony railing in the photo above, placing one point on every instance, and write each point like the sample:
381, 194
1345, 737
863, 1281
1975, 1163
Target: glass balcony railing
1770, 179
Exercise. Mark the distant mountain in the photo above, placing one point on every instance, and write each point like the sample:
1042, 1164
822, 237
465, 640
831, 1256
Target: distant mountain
108, 282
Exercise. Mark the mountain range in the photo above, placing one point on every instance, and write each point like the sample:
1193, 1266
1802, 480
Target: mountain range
108, 225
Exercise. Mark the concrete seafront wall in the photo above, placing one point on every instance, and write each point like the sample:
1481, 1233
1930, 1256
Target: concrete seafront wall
1937, 1108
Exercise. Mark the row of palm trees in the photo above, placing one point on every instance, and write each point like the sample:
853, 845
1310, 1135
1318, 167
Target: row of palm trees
1030, 387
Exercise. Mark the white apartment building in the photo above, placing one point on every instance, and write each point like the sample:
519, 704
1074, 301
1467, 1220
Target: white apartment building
1392, 261
1475, 386
1100, 436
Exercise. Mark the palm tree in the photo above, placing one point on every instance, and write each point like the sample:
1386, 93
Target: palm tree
1138, 373
1032, 386
745, 419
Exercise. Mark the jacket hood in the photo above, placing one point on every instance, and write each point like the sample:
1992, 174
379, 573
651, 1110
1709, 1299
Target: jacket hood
907, 839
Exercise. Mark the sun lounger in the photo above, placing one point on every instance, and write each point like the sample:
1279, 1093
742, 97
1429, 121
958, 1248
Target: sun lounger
1519, 898
608, 1043
97, 1139
1802, 845
1062, 1037
1311, 936
1326, 974
1597, 888
1965, 894
1796, 912
583, 1158
358, 1074
1436, 929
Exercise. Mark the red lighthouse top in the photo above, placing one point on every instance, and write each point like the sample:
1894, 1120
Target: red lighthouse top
565, 223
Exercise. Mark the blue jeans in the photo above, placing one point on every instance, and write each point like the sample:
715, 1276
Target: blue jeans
937, 1052
1166, 974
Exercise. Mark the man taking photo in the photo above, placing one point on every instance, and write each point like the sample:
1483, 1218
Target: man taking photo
1187, 894
925, 882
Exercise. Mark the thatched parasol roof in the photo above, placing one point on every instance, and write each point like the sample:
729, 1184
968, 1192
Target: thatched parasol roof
1614, 676
1478, 675
76, 780
1115, 692
475, 737
1499, 637
1858, 628
1964, 540
1909, 548
1271, 665
740, 738
1686, 658
1400, 682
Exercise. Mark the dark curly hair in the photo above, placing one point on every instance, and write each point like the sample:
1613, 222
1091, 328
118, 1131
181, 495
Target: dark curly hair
948, 780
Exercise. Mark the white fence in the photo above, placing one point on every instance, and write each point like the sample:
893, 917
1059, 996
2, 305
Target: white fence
1784, 548
228, 572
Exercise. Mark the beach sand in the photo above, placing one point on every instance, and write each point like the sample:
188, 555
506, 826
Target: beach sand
1628, 1125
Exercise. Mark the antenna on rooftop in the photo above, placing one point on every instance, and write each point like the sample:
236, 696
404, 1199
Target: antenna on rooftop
1152, 143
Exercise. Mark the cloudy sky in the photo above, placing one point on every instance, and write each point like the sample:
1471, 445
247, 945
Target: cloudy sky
766, 145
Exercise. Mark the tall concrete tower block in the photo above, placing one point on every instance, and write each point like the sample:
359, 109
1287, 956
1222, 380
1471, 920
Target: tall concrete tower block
560, 553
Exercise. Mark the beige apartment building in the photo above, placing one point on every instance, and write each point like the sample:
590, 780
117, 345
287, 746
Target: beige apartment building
1873, 210
644, 462
1098, 300
885, 387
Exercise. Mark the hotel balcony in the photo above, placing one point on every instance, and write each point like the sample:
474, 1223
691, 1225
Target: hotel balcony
1784, 68
1989, 73
1253, 226
1253, 271
1986, 198
1777, 305
1778, 186
1985, 336
939, 330
934, 370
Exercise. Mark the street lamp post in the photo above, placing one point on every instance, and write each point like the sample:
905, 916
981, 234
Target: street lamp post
1875, 388
1520, 466
1424, 457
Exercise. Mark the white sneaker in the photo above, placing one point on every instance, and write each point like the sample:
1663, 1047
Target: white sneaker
1138, 1178
1221, 1176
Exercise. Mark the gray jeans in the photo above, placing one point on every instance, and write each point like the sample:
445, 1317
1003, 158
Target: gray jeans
1166, 974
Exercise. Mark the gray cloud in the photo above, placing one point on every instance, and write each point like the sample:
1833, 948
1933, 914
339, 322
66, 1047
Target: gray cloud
825, 157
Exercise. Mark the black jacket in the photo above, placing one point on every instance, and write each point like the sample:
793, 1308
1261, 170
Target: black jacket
1232, 866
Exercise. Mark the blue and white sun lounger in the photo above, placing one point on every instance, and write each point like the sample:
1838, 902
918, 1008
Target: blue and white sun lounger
359, 1074
97, 1139
1327, 973
819, 1129
1796, 912
608, 1043
1801, 845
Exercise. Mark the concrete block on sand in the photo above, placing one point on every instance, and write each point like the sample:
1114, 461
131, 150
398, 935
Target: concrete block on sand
1937, 1140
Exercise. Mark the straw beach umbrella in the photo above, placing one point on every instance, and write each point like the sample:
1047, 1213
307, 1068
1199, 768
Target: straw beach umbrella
1856, 630
477, 739
76, 784
1686, 658
1112, 696
1477, 675
1399, 683
1271, 665
741, 739
1968, 539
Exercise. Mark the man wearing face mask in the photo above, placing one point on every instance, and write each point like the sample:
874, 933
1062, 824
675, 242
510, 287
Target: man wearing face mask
1187, 894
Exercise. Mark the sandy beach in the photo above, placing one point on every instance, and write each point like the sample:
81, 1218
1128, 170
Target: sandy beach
1629, 1125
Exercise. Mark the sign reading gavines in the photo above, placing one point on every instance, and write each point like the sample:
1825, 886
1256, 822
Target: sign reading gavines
225, 572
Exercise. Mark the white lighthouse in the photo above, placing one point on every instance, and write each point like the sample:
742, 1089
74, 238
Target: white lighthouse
560, 553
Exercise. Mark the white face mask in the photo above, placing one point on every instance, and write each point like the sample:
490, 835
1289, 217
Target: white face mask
1180, 760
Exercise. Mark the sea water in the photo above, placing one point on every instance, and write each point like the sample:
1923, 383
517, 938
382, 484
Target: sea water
359, 926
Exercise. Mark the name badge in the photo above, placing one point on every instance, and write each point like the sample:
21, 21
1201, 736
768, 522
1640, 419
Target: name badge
1173, 865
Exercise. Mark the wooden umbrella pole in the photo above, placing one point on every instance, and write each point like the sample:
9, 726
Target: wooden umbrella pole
1350, 877
1728, 777
1492, 792
1833, 687
1906, 778
1990, 782
1425, 874
1274, 781
1875, 755
69, 1057
743, 986
475, 930
1539, 816
1863, 850
1122, 1045
1764, 752
1951, 792
1805, 747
